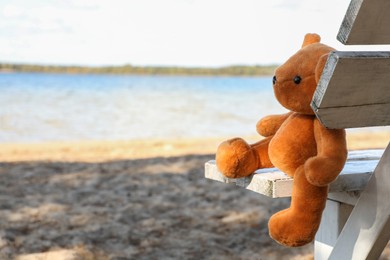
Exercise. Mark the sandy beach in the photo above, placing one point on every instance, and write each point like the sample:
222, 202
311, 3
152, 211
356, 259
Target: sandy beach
144, 199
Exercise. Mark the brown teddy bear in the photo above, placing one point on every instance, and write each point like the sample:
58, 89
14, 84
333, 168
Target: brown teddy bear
296, 143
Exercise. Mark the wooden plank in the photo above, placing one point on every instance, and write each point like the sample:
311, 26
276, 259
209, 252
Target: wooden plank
354, 78
270, 182
275, 184
367, 230
364, 155
366, 22
345, 197
333, 220
350, 117
354, 90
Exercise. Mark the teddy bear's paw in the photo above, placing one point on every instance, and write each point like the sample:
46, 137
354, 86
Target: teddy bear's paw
290, 230
264, 127
321, 171
235, 158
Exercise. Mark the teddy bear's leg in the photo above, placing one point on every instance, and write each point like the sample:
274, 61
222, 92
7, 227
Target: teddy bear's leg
297, 225
236, 158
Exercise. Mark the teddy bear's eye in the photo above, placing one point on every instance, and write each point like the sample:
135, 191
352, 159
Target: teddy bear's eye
297, 80
274, 80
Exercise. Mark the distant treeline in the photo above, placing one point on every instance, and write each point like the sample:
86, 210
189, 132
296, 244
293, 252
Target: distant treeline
139, 70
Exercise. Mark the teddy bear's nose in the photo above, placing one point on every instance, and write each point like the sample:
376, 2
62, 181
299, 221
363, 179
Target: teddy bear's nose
274, 80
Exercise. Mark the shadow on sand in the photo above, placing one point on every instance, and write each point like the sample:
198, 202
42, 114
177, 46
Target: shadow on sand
157, 208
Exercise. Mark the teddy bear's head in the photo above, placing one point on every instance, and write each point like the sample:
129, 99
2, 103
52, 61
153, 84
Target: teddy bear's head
296, 80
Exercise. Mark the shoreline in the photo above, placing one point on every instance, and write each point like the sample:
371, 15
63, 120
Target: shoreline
229, 70
105, 150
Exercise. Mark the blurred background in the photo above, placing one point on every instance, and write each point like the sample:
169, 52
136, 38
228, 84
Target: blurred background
109, 110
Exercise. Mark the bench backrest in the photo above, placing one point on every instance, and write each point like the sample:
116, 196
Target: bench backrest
354, 90
366, 22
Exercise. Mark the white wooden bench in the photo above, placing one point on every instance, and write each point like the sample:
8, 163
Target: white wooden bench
275, 184
354, 91
344, 193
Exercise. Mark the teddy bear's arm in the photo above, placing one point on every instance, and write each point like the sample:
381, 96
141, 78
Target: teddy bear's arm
268, 125
331, 156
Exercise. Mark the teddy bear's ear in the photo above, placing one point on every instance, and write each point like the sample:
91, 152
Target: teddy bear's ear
311, 38
320, 66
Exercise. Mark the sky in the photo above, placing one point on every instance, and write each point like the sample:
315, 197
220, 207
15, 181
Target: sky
205, 33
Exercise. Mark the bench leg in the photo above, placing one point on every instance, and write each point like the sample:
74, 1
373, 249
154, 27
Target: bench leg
333, 219
367, 230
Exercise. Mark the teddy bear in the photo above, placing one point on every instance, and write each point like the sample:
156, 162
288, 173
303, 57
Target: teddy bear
296, 143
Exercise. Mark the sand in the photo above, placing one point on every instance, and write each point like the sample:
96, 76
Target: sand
144, 199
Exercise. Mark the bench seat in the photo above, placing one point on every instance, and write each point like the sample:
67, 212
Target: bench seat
275, 184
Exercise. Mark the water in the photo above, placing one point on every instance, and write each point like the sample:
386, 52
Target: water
57, 107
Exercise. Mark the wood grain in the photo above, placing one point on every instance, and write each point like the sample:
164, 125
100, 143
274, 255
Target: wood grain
366, 22
354, 90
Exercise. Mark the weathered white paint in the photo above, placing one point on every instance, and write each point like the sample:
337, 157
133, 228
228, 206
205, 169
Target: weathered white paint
273, 183
366, 22
353, 90
367, 230
333, 219
346, 197
270, 182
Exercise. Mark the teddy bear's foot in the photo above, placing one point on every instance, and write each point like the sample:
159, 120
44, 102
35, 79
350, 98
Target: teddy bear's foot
288, 229
235, 158
297, 225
